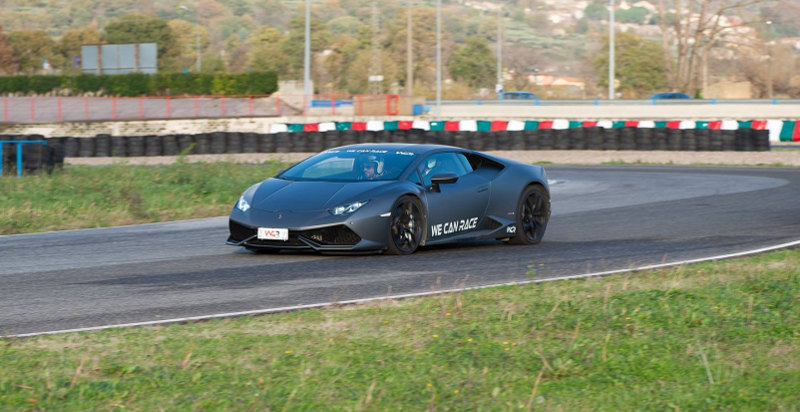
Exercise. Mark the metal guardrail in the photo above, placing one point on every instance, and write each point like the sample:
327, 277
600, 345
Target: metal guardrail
605, 102
57, 109
54, 109
19, 144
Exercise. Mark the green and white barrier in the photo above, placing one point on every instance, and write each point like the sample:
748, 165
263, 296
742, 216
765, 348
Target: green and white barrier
779, 130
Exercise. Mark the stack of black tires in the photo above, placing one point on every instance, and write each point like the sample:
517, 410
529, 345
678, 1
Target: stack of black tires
36, 157
44, 157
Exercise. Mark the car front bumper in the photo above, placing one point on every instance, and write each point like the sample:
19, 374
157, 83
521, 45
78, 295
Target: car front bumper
350, 235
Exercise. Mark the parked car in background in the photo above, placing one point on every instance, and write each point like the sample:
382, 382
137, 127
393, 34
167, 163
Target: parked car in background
670, 95
517, 96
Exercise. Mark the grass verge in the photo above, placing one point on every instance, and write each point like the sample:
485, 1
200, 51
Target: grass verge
715, 336
84, 196
122, 194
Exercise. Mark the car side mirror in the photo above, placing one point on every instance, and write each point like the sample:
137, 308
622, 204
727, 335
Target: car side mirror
443, 179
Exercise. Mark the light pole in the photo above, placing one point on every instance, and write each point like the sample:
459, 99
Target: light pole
611, 50
196, 38
307, 54
499, 86
770, 43
409, 53
438, 59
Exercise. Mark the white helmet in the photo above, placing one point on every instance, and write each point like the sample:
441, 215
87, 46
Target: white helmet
375, 160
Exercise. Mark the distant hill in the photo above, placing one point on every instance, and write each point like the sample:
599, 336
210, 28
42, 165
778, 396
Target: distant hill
559, 37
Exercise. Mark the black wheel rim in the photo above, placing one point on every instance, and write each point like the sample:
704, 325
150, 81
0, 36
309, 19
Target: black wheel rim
534, 216
406, 226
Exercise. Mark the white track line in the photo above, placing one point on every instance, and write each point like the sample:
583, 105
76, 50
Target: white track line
409, 295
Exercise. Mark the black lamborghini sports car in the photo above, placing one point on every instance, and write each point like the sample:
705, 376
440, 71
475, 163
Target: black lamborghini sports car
393, 198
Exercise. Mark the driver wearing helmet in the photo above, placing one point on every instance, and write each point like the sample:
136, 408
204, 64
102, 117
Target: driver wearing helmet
371, 167
429, 165
427, 170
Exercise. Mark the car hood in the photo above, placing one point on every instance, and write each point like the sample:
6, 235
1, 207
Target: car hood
277, 194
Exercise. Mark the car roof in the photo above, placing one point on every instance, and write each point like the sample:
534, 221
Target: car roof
403, 147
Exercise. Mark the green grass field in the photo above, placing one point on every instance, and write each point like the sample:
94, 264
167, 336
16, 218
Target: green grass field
84, 197
716, 336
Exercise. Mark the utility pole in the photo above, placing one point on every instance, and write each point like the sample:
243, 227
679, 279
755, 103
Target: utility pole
499, 86
770, 62
307, 57
409, 54
438, 59
611, 50
375, 76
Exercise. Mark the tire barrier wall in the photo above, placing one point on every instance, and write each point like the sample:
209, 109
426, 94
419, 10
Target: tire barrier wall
35, 157
779, 130
584, 138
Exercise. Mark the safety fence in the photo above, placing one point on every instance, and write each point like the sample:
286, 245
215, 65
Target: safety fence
43, 109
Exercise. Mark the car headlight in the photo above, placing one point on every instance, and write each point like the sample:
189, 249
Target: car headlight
242, 204
348, 208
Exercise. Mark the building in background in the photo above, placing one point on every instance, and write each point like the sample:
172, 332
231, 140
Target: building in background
119, 58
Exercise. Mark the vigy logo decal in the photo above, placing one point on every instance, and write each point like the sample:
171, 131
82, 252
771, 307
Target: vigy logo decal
447, 228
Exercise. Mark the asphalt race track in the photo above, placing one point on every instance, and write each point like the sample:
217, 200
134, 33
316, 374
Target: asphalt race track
604, 218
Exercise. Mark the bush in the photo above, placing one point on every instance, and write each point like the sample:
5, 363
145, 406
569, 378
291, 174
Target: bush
43, 84
140, 84
14, 84
83, 83
133, 84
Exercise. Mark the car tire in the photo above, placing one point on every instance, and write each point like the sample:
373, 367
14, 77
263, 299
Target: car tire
533, 213
406, 226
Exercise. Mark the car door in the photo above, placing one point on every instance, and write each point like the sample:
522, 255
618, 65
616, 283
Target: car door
454, 209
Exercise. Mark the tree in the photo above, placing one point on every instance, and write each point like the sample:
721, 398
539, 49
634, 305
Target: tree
632, 15
770, 75
186, 36
69, 45
522, 62
423, 45
349, 25
697, 26
357, 76
294, 45
236, 53
8, 61
334, 65
473, 63
31, 48
139, 28
596, 11
638, 66
343, 65
265, 52
783, 16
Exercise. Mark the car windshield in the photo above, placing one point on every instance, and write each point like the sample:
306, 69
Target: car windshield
351, 165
